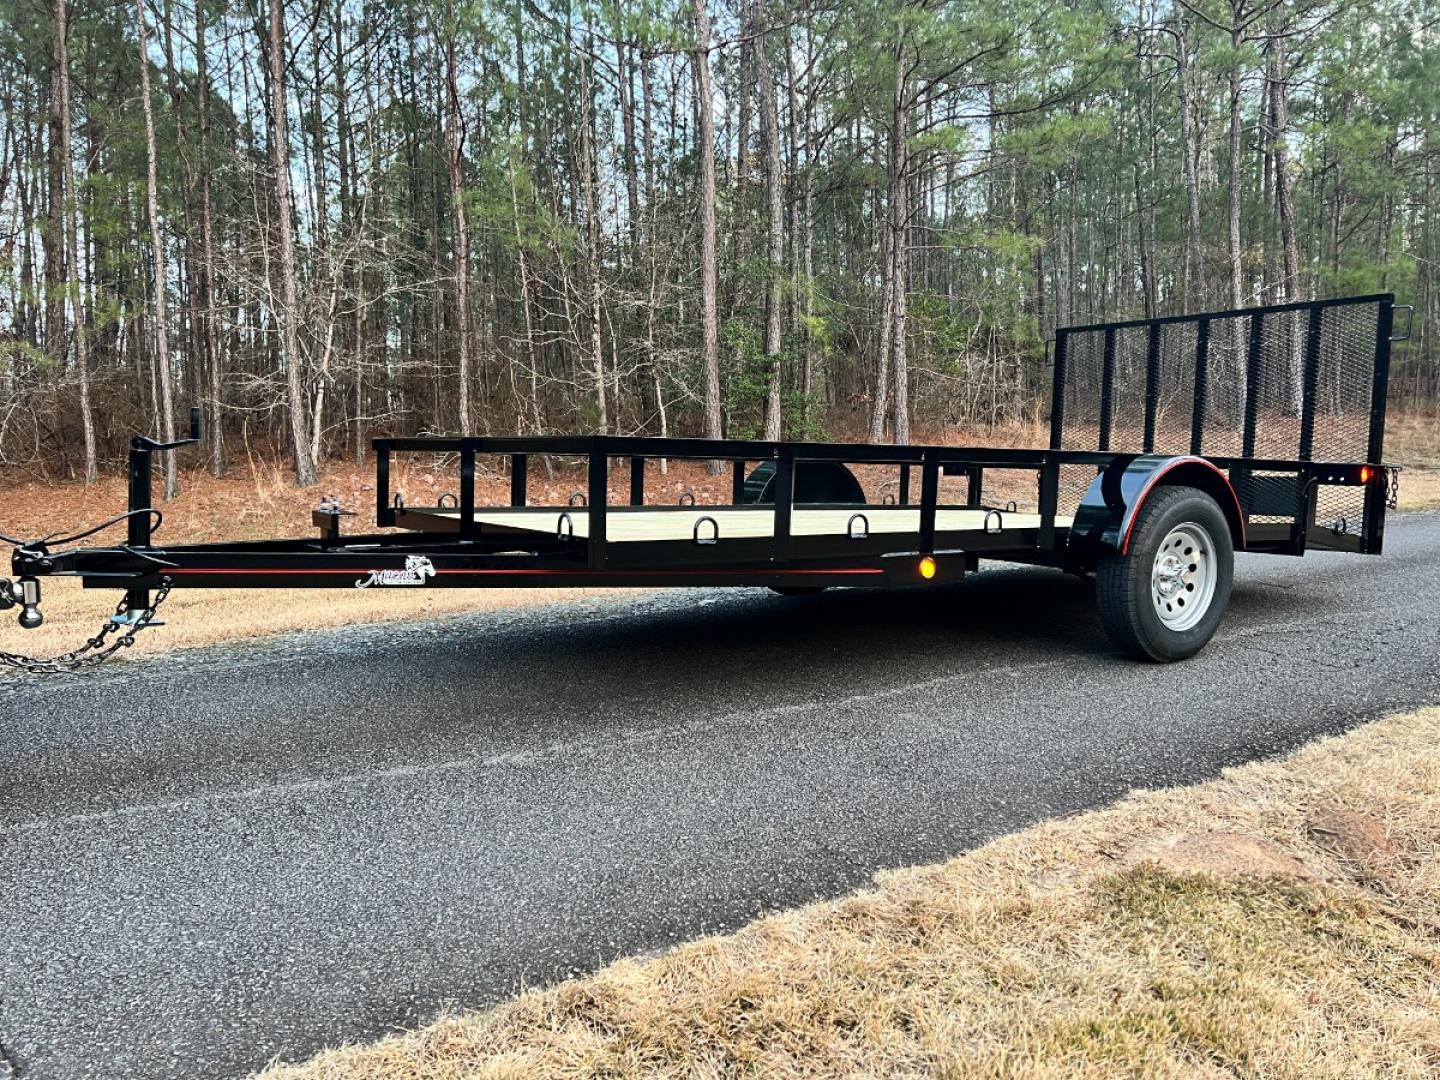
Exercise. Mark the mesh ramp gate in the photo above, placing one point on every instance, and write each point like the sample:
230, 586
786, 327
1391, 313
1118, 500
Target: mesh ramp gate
1294, 382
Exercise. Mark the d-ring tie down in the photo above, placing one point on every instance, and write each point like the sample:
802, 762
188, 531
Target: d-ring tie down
713, 538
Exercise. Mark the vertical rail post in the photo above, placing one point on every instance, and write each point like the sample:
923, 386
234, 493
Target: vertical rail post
1312, 382
975, 486
1252, 383
637, 481
467, 488
1057, 390
1380, 385
904, 497
1107, 389
784, 500
737, 483
384, 515
1152, 386
1049, 499
599, 476
1202, 387
1372, 527
1241, 479
929, 499
519, 478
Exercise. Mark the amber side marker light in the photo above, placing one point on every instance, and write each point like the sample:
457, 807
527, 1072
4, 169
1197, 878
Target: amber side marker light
1364, 474
928, 568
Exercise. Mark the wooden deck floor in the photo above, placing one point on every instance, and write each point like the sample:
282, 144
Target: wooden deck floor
678, 522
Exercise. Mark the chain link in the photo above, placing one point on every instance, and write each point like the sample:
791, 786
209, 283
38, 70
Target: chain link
99, 648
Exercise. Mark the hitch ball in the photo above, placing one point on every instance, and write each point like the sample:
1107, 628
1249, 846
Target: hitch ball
30, 617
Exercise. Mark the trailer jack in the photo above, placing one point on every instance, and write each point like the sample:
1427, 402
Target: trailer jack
136, 610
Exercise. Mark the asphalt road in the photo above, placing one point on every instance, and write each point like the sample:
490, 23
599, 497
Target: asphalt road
215, 859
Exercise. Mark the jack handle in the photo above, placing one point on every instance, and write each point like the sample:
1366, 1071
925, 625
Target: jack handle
144, 442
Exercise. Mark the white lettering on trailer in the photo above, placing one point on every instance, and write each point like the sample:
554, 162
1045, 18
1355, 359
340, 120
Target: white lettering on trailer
417, 569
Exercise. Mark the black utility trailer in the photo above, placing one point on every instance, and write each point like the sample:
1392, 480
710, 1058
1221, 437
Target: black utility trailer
1174, 442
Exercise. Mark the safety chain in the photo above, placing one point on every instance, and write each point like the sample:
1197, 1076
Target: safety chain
99, 648
1392, 488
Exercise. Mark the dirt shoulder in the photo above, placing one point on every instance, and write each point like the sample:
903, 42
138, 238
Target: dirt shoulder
1281, 920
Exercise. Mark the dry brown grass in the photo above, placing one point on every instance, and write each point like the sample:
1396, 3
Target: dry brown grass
1414, 442
1281, 921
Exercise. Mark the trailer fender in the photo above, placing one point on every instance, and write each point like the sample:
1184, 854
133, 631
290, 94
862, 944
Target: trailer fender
1107, 511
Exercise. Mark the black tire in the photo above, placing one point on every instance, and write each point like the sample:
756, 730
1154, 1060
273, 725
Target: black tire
1123, 583
798, 590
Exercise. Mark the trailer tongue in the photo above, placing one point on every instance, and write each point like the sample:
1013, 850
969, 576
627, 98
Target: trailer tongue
1174, 442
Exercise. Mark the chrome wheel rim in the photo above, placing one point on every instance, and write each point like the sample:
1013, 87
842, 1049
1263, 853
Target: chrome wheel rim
1182, 581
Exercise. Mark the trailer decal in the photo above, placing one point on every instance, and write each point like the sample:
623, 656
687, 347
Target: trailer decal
418, 568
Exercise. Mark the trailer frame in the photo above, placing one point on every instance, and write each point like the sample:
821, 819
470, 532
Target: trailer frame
1272, 504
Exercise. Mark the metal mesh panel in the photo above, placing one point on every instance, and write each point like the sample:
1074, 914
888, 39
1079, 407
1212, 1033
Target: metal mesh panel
1084, 369
1223, 421
1175, 394
1075, 480
1343, 384
1280, 385
1127, 423
1277, 356
1342, 407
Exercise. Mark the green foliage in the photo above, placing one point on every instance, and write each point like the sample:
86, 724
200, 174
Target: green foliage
1044, 164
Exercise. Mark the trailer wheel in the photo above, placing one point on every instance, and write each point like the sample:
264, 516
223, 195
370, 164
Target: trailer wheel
1165, 597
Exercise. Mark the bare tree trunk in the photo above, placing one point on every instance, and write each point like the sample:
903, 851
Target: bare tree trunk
1285, 205
900, 252
289, 337
1237, 147
652, 306
1237, 180
215, 355
625, 83
532, 355
775, 247
158, 332
710, 323
72, 255
52, 227
455, 147
892, 316
880, 400
590, 184
1188, 154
